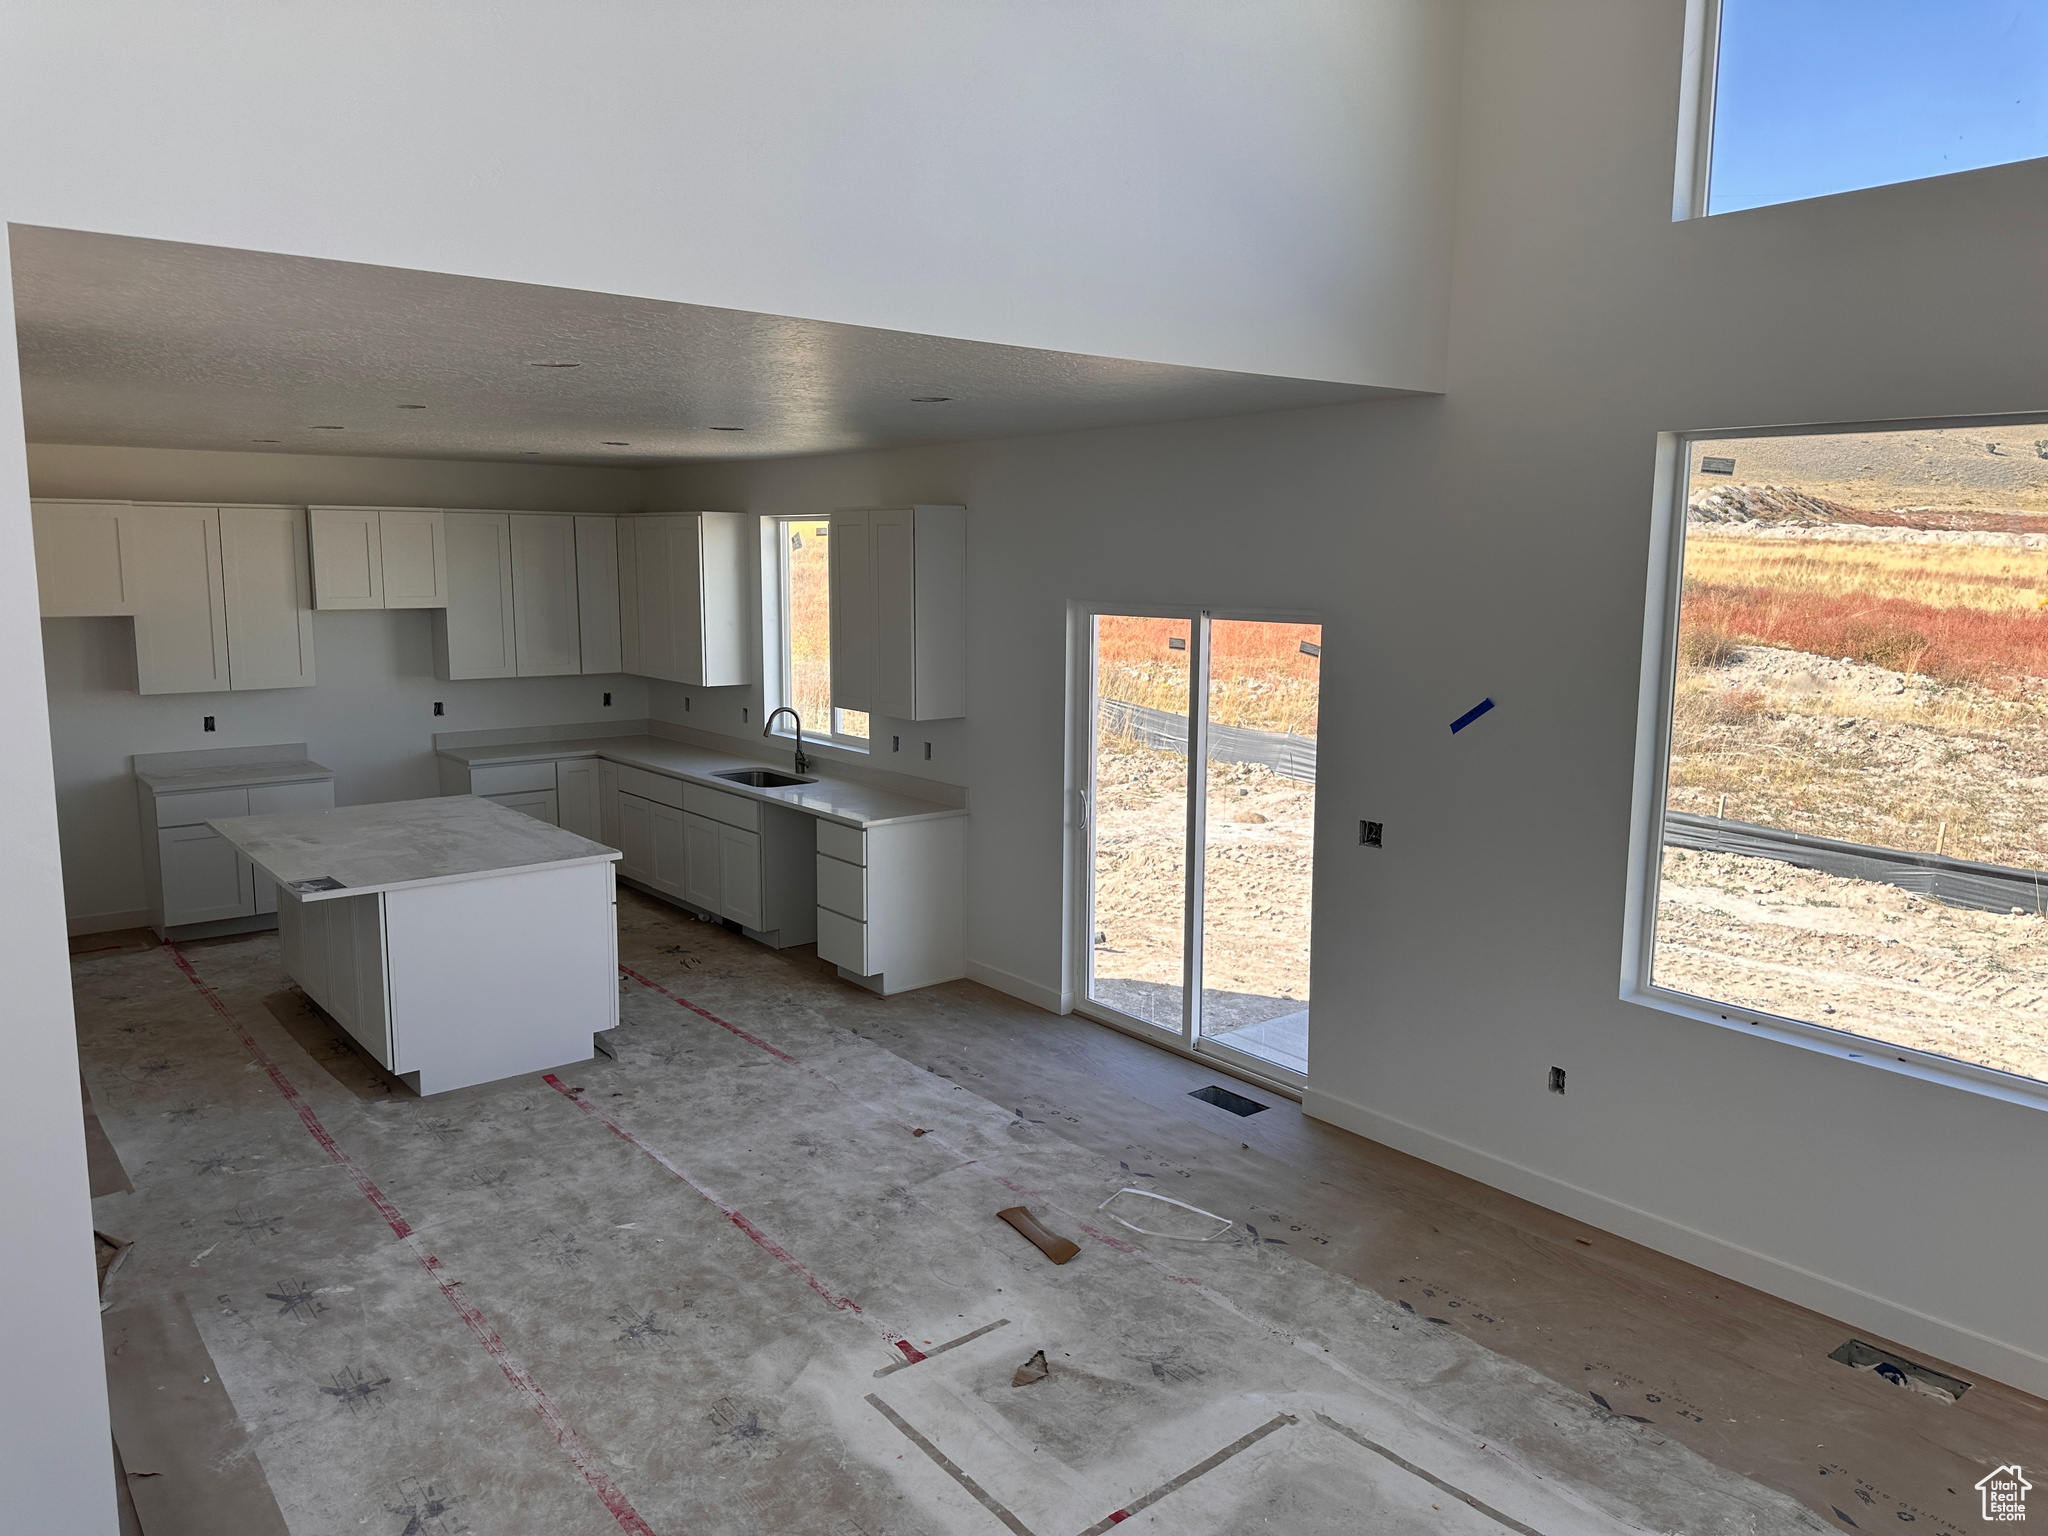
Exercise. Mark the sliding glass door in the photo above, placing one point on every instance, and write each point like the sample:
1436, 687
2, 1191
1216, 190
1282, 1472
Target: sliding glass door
1201, 829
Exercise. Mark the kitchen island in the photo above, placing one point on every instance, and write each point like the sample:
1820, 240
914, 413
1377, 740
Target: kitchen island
458, 941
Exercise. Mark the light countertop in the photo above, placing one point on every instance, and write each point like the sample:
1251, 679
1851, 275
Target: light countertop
295, 770
842, 800
366, 848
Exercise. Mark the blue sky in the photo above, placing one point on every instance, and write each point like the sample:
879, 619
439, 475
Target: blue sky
1820, 96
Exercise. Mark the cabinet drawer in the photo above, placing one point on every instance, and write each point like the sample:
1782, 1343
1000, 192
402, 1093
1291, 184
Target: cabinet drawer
843, 888
848, 843
843, 942
658, 787
733, 810
314, 795
511, 778
189, 807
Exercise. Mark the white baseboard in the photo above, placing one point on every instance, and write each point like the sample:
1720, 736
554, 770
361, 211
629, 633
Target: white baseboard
1032, 992
1888, 1320
105, 922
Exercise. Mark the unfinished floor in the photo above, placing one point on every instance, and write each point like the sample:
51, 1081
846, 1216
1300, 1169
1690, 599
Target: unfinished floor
747, 1277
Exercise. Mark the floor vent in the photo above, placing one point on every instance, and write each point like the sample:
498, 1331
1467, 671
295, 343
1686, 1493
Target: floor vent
1223, 1098
1899, 1371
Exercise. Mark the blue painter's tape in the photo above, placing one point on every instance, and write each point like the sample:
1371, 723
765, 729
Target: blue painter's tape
1470, 715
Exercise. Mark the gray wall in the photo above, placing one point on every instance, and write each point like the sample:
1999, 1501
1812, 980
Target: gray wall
1495, 542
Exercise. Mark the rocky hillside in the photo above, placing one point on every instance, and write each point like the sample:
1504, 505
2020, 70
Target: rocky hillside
1782, 506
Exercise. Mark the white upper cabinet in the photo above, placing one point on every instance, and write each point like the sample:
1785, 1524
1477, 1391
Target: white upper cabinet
414, 557
683, 597
378, 557
899, 611
269, 597
473, 636
597, 593
221, 596
82, 570
545, 638
181, 621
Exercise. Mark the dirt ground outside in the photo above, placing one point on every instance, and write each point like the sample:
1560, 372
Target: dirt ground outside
1261, 865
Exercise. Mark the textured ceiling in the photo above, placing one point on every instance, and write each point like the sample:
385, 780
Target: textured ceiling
152, 344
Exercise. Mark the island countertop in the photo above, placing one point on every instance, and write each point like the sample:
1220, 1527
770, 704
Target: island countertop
356, 850
847, 801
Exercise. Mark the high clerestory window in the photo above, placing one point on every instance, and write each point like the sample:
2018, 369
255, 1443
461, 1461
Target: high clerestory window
1801, 98
1843, 830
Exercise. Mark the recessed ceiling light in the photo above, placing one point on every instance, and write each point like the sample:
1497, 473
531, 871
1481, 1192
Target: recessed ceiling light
553, 365
263, 439
412, 407
608, 443
929, 399
327, 429
728, 429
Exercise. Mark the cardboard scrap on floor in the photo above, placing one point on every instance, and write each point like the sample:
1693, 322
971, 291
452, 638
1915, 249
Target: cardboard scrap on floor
1034, 1369
1051, 1244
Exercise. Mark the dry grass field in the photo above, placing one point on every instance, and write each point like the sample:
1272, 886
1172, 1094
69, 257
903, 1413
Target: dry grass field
1876, 672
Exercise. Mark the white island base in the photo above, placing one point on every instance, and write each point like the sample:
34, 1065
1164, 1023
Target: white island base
458, 941
452, 985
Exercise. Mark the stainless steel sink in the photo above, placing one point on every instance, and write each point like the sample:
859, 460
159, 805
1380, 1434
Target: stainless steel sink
761, 778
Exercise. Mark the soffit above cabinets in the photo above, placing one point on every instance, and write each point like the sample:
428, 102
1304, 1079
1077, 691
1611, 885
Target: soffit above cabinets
149, 343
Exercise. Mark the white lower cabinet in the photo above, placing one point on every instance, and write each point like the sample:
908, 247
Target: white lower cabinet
193, 874
653, 842
578, 798
704, 886
537, 803
204, 879
891, 902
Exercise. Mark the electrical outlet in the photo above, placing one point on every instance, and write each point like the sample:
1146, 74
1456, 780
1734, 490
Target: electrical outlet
437, 707
927, 751
607, 701
895, 743
686, 703
1370, 834
743, 715
1557, 1079
206, 724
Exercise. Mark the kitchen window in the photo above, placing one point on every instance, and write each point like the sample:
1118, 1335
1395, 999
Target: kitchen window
803, 640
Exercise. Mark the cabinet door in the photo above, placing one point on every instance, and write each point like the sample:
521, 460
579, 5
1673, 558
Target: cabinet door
671, 856
636, 838
80, 571
654, 605
269, 597
608, 804
415, 557
852, 613
703, 885
544, 629
577, 798
630, 660
474, 636
728, 550
204, 878
181, 622
597, 593
739, 875
348, 558
892, 551
537, 803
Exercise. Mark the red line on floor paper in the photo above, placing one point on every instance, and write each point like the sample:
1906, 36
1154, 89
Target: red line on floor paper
543, 1406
